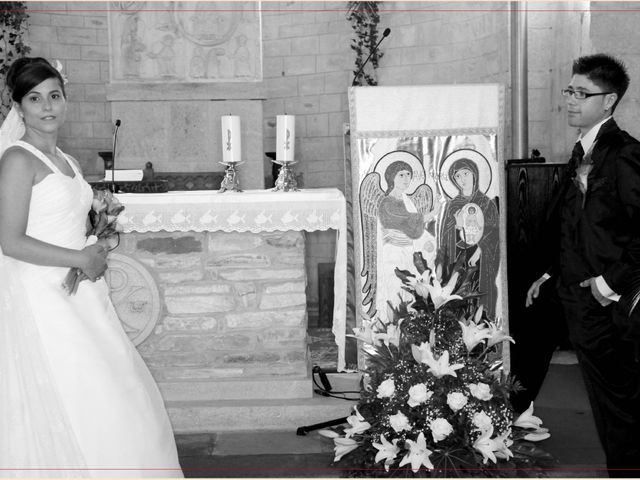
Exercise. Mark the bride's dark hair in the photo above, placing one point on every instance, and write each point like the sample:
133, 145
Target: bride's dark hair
25, 73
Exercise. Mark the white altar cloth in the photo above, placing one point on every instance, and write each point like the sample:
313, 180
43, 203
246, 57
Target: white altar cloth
249, 211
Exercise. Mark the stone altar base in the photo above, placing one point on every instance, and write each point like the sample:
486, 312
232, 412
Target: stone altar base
228, 344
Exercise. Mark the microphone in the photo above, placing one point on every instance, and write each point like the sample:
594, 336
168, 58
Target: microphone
385, 34
113, 163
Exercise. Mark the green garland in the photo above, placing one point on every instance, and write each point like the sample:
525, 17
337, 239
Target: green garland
364, 18
13, 26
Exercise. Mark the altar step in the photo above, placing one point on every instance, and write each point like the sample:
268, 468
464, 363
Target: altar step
212, 408
254, 415
262, 388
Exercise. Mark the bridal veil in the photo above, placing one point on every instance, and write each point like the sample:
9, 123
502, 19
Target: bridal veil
36, 438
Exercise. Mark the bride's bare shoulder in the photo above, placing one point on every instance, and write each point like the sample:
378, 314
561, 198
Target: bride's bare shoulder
16, 159
16, 153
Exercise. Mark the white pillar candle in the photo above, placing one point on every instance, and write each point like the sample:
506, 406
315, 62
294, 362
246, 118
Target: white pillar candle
285, 138
231, 147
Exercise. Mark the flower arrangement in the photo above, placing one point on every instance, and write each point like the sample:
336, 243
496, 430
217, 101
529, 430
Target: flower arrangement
102, 225
434, 397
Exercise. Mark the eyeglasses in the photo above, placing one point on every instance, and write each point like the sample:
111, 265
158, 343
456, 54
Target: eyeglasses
579, 94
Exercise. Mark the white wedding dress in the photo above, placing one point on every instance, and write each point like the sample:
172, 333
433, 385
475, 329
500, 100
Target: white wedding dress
76, 398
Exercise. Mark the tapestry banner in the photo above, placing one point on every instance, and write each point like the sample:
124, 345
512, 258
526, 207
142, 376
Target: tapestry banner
427, 177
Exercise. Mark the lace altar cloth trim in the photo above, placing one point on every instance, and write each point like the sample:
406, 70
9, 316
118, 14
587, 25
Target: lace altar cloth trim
249, 211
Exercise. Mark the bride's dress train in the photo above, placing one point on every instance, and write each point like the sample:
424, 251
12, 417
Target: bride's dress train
75, 396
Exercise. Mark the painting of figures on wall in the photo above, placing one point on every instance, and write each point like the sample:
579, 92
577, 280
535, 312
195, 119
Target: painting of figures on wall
433, 195
185, 41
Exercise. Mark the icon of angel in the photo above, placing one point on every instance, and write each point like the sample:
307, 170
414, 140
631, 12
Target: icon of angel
397, 216
470, 222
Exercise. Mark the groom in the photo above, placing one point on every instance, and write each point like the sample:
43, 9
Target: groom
597, 213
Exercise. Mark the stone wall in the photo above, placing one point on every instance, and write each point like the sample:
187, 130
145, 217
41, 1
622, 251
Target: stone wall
233, 304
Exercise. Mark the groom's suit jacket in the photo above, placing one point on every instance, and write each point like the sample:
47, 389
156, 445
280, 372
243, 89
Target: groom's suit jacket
599, 230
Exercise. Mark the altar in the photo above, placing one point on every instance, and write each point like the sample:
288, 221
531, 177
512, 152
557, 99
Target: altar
211, 288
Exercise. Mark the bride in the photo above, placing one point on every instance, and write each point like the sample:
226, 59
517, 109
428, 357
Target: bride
76, 398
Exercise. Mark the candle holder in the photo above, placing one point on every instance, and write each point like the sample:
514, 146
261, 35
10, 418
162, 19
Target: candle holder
231, 180
286, 181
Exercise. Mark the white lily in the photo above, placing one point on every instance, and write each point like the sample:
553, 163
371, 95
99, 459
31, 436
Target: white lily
502, 444
422, 353
392, 335
364, 333
478, 316
441, 295
473, 334
538, 435
527, 419
439, 367
387, 451
358, 424
486, 446
418, 454
343, 446
497, 335
421, 284
328, 433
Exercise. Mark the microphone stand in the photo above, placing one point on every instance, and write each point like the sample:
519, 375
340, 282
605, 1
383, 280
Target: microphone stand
114, 189
385, 34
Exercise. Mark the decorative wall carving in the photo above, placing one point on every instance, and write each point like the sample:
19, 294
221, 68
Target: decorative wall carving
185, 41
135, 296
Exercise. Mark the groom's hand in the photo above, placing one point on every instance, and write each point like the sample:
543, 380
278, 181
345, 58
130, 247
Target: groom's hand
591, 283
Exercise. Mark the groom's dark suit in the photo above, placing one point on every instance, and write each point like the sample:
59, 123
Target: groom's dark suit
600, 235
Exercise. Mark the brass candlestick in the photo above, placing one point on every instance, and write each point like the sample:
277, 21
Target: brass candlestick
231, 180
286, 181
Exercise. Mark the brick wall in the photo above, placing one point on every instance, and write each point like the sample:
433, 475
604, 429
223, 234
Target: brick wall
580, 28
308, 62
308, 69
76, 34
551, 24
614, 29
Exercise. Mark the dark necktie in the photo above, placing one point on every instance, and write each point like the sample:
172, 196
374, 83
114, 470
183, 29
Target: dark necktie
577, 155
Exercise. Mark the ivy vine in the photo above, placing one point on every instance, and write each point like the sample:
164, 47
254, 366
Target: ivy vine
364, 17
13, 27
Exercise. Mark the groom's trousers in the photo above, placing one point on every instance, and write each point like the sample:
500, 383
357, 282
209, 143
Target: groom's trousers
611, 375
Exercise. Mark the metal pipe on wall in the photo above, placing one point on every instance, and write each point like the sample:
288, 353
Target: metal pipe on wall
519, 85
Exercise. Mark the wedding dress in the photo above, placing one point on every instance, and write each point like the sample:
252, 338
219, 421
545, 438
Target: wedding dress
76, 398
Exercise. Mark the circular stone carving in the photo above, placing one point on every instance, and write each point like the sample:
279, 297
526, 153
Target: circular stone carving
202, 25
135, 296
